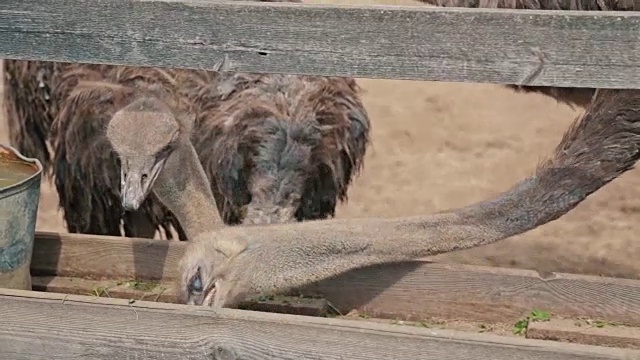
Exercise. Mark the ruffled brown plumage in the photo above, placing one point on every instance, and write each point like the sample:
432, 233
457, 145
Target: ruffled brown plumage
85, 168
266, 142
315, 126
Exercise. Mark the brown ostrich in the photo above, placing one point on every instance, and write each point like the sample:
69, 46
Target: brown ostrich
275, 147
570, 96
87, 180
223, 266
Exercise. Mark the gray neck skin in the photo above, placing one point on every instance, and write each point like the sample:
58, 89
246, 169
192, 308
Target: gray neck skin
184, 188
309, 252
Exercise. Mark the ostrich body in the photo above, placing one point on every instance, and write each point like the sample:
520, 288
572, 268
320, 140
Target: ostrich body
33, 94
223, 266
276, 148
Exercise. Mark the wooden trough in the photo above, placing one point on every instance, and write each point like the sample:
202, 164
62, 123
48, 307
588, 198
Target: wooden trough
111, 296
114, 298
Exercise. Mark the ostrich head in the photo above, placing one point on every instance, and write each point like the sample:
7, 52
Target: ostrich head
281, 148
144, 133
282, 161
205, 274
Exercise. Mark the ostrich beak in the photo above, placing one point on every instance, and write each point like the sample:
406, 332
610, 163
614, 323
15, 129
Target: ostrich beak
205, 299
208, 300
137, 179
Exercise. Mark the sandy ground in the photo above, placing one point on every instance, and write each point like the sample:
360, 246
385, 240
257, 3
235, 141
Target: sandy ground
443, 145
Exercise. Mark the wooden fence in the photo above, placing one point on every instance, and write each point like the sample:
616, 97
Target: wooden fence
581, 49
562, 48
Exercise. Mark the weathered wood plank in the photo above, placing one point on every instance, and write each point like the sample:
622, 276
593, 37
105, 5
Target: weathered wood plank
105, 257
412, 290
576, 331
581, 49
421, 290
58, 326
580, 331
121, 289
166, 292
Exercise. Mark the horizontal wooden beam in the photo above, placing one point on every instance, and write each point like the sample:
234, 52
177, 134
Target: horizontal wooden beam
576, 330
529, 47
412, 291
57, 326
166, 292
120, 289
580, 331
584, 331
105, 257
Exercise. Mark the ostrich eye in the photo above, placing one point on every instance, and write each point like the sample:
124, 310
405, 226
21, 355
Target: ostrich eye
195, 286
166, 150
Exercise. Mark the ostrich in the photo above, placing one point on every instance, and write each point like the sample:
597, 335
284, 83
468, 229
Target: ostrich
249, 160
276, 148
32, 94
571, 96
221, 267
85, 180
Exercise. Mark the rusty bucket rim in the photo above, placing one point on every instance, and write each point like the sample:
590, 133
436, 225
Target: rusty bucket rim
28, 179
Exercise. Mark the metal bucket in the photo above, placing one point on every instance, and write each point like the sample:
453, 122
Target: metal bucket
19, 197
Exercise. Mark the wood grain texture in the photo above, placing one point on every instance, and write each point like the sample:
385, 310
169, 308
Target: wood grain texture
581, 49
120, 289
57, 326
581, 332
104, 257
166, 292
421, 290
412, 291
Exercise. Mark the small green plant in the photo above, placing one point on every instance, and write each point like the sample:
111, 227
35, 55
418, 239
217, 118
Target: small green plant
139, 285
422, 323
521, 325
99, 291
599, 323
264, 298
539, 315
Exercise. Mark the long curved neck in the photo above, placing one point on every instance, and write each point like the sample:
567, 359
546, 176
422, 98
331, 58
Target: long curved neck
545, 197
600, 147
184, 188
310, 252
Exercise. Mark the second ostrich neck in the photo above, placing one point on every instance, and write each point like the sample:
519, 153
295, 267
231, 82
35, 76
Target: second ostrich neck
184, 188
309, 252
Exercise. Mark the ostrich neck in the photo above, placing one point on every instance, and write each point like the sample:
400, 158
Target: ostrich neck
312, 252
184, 188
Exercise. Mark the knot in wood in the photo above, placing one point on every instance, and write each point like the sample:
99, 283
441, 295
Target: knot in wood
221, 352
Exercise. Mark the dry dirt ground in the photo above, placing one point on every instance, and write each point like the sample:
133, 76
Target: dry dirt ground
441, 145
